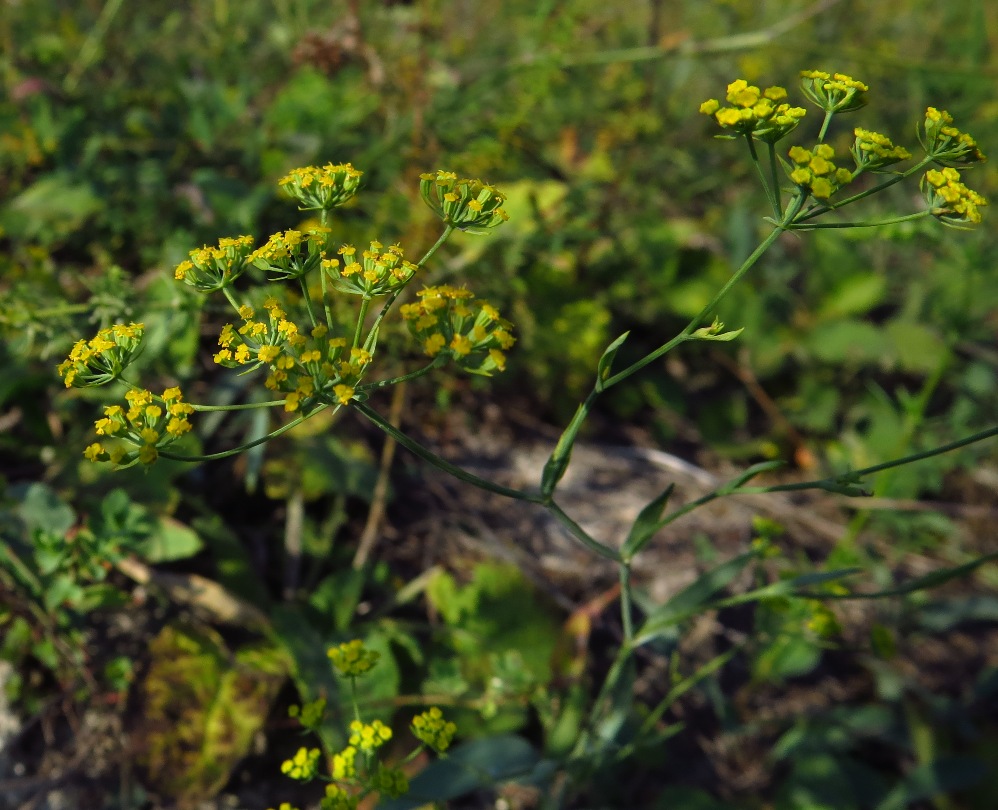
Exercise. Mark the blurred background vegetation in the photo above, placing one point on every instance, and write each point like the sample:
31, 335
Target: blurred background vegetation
131, 133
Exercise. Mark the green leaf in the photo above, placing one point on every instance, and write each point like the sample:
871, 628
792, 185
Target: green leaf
605, 365
646, 524
787, 657
41, 508
855, 295
933, 580
938, 778
50, 210
919, 348
747, 475
477, 765
700, 592
693, 598
170, 540
556, 465
849, 342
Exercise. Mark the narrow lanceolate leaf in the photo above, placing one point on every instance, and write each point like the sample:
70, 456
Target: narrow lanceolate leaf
694, 597
931, 580
646, 524
747, 475
556, 465
605, 365
700, 596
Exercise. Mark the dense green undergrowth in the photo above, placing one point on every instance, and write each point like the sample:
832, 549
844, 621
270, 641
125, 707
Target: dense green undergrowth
132, 132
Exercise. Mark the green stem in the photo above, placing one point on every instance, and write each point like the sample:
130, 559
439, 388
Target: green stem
365, 304
231, 298
627, 620
308, 299
426, 454
832, 225
243, 447
887, 465
774, 179
248, 406
683, 336
824, 125
771, 189
412, 375
324, 282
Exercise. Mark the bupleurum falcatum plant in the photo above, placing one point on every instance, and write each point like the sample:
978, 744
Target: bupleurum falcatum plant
357, 771
314, 362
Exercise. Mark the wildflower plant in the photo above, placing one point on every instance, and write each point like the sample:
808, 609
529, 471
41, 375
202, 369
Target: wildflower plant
362, 768
313, 362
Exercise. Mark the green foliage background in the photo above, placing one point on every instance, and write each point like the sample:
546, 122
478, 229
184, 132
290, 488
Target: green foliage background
132, 132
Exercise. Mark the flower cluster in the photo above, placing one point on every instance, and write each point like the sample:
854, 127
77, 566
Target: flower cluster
368, 737
431, 728
390, 782
291, 254
103, 358
303, 766
379, 271
946, 144
874, 152
309, 714
313, 367
345, 764
352, 658
755, 112
146, 425
833, 93
445, 320
950, 201
322, 188
814, 170
469, 205
337, 798
212, 268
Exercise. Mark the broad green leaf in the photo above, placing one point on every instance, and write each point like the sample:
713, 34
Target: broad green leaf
855, 295
169, 540
477, 765
41, 508
918, 347
849, 342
